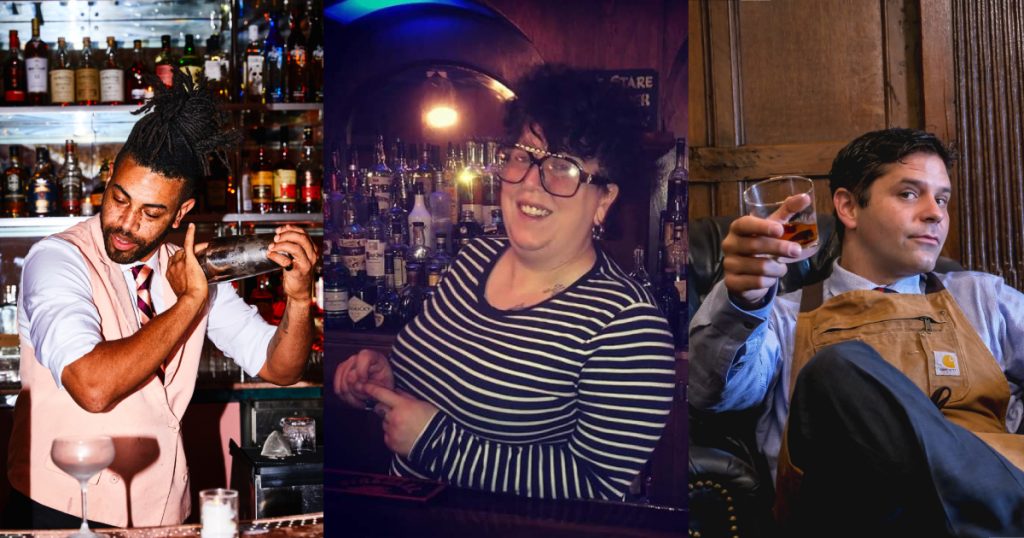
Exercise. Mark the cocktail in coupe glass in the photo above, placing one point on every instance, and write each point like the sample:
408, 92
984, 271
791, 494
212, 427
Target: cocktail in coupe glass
82, 457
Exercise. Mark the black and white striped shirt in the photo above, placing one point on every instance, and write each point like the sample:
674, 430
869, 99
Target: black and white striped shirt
565, 399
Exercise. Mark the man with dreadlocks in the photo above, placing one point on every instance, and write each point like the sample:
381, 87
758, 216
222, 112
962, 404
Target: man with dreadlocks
97, 358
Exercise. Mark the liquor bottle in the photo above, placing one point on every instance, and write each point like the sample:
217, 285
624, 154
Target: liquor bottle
423, 174
138, 89
190, 63
471, 180
309, 174
274, 69
433, 271
412, 295
111, 76
165, 61
87, 76
215, 68
14, 74
284, 177
441, 256
37, 58
100, 184
71, 180
467, 229
42, 190
62, 76
388, 313
380, 176
215, 194
639, 272
252, 77
419, 252
676, 204
420, 214
450, 175
15, 180
335, 294
297, 58
399, 253
352, 243
316, 54
440, 206
362, 297
352, 185
398, 219
671, 299
262, 178
376, 241
497, 230
490, 187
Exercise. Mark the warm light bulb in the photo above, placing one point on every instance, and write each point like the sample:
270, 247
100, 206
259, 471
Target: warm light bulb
441, 117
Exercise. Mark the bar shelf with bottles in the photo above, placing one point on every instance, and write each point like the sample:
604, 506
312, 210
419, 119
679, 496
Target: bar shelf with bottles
394, 220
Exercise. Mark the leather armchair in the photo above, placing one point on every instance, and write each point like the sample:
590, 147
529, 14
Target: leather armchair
730, 486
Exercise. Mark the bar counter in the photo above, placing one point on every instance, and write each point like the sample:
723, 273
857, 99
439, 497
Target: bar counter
304, 526
460, 512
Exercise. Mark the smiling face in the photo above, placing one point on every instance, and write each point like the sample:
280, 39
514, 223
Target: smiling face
139, 208
540, 225
901, 230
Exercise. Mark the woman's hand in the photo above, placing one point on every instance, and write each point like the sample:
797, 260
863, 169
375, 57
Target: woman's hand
404, 417
351, 377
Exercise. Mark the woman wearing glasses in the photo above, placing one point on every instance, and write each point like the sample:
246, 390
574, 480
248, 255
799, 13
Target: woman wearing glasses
538, 368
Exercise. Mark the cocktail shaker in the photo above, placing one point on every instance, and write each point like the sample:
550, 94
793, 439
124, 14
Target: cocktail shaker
237, 256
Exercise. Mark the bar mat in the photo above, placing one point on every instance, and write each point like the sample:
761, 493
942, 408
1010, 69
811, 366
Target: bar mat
374, 485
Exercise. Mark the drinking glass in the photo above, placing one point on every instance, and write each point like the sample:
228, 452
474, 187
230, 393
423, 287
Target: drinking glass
82, 457
300, 433
764, 198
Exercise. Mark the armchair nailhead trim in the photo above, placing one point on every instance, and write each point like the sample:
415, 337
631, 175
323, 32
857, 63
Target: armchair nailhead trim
728, 506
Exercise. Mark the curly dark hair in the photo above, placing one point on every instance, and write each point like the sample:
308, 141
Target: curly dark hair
184, 127
868, 157
585, 118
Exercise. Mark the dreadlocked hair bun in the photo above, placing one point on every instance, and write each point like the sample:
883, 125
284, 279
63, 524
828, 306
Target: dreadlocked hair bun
182, 128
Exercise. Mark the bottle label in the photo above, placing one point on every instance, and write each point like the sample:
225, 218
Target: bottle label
310, 193
353, 254
13, 185
400, 276
42, 198
14, 96
194, 71
166, 73
254, 75
87, 84
62, 86
375, 257
263, 187
284, 185
138, 94
112, 86
378, 319
336, 301
358, 309
212, 69
35, 74
433, 279
96, 199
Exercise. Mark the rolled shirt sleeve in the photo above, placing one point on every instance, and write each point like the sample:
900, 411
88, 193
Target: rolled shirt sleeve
237, 329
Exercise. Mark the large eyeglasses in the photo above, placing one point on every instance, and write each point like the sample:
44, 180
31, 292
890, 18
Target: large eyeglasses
560, 175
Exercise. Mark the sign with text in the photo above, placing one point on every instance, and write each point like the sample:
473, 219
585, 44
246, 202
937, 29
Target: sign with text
642, 84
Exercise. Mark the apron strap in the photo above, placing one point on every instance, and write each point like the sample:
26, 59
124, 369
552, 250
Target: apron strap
812, 296
932, 284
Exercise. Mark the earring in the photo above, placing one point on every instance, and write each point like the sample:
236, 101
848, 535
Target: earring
597, 232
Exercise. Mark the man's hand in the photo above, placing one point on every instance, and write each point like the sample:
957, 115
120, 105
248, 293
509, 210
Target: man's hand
184, 274
298, 263
351, 377
750, 250
404, 417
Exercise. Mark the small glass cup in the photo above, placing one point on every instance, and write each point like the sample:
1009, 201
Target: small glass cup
300, 433
218, 513
764, 198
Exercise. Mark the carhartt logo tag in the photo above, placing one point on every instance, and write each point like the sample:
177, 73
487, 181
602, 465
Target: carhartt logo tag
946, 363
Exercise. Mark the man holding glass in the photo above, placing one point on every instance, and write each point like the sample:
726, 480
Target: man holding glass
112, 322
889, 391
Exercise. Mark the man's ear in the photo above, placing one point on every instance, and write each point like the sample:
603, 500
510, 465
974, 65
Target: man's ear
847, 208
183, 210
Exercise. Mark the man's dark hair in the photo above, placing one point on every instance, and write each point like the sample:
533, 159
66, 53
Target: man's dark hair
583, 118
868, 157
183, 128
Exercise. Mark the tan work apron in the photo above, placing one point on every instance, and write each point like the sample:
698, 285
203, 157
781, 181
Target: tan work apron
928, 338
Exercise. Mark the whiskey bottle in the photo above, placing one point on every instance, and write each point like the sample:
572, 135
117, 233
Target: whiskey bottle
15, 180
87, 76
165, 61
399, 253
297, 51
138, 89
490, 188
470, 183
398, 218
262, 178
376, 241
335, 294
42, 190
380, 176
252, 77
274, 68
362, 298
216, 68
419, 252
388, 313
62, 76
467, 229
71, 180
284, 177
111, 77
309, 176
37, 58
352, 243
14, 74
190, 63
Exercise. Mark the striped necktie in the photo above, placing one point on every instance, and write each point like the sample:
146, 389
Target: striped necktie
883, 289
143, 276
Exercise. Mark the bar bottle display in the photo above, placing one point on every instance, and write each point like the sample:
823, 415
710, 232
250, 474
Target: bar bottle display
165, 62
262, 180
42, 190
71, 180
37, 63
87, 76
62, 76
111, 77
190, 63
138, 89
14, 74
309, 176
252, 77
14, 186
284, 177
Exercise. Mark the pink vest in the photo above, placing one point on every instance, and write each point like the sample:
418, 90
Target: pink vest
148, 483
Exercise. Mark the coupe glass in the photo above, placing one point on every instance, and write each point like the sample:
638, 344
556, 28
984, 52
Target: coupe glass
82, 458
